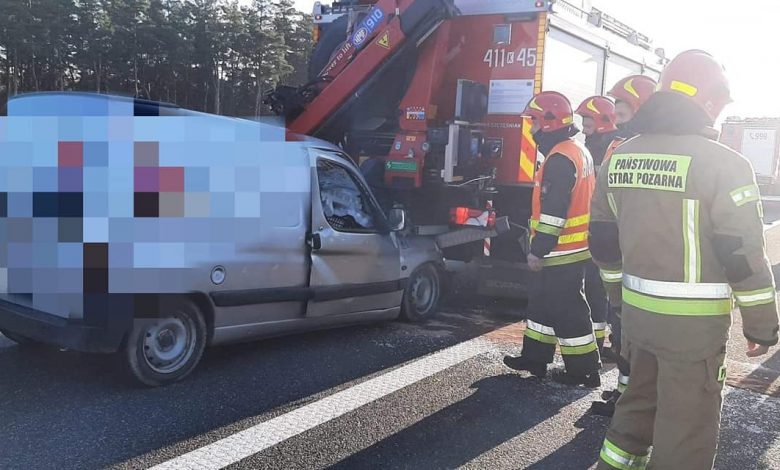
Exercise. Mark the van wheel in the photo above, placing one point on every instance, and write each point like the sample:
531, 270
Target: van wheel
165, 349
421, 297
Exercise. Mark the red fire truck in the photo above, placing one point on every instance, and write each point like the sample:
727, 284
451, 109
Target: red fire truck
427, 96
757, 139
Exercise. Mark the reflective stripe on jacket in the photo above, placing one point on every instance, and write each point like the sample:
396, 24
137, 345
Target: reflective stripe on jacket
572, 232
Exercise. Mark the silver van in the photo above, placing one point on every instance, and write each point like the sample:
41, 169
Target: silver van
140, 228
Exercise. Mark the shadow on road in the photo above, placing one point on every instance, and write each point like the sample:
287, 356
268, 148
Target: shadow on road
502, 408
71, 410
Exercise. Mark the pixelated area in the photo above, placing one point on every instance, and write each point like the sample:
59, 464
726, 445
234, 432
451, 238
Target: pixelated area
102, 195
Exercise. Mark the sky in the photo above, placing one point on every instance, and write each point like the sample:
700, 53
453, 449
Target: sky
743, 35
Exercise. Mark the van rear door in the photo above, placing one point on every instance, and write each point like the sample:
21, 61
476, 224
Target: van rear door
355, 259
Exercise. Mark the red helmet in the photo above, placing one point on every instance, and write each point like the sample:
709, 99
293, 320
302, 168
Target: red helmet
551, 110
698, 76
634, 90
602, 111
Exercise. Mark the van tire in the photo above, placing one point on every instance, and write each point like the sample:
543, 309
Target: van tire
164, 349
422, 294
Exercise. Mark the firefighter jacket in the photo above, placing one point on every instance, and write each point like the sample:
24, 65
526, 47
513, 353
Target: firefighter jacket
560, 210
599, 144
676, 219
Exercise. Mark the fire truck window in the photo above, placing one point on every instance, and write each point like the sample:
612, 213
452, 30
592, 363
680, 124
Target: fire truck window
346, 206
502, 34
618, 68
573, 67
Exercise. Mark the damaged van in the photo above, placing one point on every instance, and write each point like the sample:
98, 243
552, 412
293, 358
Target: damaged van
150, 231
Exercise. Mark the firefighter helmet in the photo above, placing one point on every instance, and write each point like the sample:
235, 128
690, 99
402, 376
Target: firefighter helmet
696, 75
602, 111
551, 110
634, 90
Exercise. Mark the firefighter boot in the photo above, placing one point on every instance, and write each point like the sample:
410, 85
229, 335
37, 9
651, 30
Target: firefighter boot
520, 363
608, 355
592, 380
607, 407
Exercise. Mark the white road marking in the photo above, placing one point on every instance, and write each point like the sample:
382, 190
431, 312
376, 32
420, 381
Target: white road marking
257, 438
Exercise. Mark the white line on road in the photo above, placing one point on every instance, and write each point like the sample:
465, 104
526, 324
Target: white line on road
265, 435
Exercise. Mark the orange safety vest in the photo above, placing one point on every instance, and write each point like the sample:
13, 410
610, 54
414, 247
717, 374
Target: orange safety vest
572, 232
611, 149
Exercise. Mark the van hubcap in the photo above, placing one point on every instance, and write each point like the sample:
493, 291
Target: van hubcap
169, 343
423, 293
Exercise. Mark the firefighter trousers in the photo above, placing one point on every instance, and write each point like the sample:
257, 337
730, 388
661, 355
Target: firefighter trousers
596, 296
615, 338
673, 406
558, 314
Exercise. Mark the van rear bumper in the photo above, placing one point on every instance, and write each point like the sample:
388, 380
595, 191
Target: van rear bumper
51, 329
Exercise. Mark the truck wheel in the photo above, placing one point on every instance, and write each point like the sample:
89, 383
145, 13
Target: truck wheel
167, 348
421, 297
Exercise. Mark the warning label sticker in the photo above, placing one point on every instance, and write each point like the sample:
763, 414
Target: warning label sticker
384, 40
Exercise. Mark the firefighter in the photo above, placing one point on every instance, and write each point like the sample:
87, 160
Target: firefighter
600, 128
558, 311
630, 94
679, 217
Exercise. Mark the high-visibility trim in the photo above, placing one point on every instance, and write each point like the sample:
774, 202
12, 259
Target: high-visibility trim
566, 258
555, 253
527, 165
722, 373
592, 106
548, 229
629, 87
547, 330
612, 203
611, 276
578, 346
600, 334
572, 238
579, 350
552, 220
541, 333
682, 307
679, 290
692, 255
541, 337
578, 341
684, 88
600, 325
745, 194
622, 383
600, 330
620, 459
577, 221
755, 297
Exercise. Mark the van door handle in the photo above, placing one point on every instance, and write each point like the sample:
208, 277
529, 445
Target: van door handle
314, 241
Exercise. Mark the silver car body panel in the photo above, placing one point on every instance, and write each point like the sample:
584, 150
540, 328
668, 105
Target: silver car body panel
226, 194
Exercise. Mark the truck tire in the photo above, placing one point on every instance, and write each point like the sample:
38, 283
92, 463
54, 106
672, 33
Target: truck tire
422, 294
165, 349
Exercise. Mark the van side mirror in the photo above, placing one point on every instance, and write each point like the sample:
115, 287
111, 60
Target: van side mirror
397, 219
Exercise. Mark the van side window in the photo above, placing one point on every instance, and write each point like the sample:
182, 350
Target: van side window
346, 206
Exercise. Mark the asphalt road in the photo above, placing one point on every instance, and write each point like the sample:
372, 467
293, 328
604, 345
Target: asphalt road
67, 410
389, 395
